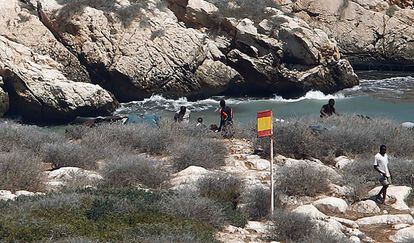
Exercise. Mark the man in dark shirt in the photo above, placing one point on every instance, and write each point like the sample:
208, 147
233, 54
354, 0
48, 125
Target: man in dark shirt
328, 109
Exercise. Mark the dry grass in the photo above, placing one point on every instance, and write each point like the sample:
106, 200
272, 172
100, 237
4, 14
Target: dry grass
344, 135
302, 180
20, 170
133, 170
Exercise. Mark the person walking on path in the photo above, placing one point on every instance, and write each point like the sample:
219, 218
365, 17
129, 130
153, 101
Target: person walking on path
381, 165
328, 109
226, 119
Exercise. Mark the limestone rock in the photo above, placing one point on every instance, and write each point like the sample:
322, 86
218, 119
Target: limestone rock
346, 222
331, 205
133, 51
365, 207
7, 195
342, 161
400, 226
404, 235
354, 239
370, 33
40, 92
215, 77
21, 23
258, 227
258, 163
188, 177
200, 12
56, 179
386, 219
400, 193
310, 211
24, 193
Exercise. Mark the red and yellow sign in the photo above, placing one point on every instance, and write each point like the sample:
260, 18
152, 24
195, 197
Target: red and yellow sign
264, 124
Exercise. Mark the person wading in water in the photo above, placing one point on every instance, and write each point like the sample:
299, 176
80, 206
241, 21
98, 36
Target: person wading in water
328, 109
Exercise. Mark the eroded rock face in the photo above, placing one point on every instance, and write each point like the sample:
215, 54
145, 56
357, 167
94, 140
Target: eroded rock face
20, 23
369, 33
40, 92
135, 49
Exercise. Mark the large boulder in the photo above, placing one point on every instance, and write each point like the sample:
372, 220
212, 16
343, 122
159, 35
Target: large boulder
331, 205
20, 23
310, 211
400, 193
365, 207
40, 92
386, 219
369, 33
404, 235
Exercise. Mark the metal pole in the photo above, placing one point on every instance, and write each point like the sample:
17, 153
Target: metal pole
272, 186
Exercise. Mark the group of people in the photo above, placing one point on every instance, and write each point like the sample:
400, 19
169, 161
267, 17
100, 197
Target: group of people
226, 119
226, 122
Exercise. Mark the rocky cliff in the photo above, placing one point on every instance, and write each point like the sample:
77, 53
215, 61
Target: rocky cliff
370, 33
51, 50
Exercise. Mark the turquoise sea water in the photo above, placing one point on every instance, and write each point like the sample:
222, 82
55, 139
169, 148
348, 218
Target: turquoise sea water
387, 95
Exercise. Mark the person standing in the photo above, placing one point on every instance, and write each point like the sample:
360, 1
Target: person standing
182, 116
328, 109
226, 119
381, 165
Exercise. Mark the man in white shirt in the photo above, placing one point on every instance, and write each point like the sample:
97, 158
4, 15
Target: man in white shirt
381, 165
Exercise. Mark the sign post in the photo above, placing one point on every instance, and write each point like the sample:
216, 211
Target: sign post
265, 129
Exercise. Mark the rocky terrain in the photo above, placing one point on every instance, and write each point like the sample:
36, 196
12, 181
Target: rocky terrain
135, 49
371, 34
358, 221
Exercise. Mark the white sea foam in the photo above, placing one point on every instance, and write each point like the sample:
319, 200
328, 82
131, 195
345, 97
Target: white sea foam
311, 95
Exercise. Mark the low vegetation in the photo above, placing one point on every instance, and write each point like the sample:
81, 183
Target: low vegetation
133, 171
204, 152
302, 180
126, 215
328, 138
294, 227
257, 203
221, 187
20, 170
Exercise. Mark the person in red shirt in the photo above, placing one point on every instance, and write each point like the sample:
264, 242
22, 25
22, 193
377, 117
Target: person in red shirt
226, 119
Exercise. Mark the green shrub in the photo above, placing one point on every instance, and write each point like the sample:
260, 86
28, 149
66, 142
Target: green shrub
257, 203
291, 226
20, 170
121, 215
189, 205
204, 152
221, 187
23, 136
133, 170
301, 180
344, 135
69, 155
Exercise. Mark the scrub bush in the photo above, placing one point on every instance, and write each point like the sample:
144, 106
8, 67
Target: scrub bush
257, 203
221, 187
301, 180
20, 170
134, 170
69, 155
204, 152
